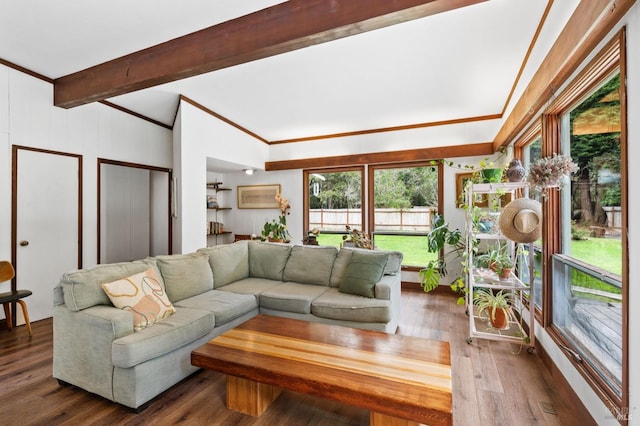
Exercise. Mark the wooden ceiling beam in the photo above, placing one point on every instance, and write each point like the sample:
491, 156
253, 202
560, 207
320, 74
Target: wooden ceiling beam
411, 155
285, 27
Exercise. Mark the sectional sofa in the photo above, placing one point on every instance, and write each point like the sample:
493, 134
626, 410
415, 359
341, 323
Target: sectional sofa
98, 348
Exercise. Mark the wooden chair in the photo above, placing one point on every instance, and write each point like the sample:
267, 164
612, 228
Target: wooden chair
6, 274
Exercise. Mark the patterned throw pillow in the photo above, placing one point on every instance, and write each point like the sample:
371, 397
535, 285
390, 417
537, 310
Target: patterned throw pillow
143, 295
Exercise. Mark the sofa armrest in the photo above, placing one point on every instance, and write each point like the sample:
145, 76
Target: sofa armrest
386, 288
82, 345
390, 288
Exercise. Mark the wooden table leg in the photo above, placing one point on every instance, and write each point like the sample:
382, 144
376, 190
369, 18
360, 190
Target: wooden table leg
377, 419
249, 397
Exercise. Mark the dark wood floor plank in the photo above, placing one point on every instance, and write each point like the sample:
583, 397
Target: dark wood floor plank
32, 397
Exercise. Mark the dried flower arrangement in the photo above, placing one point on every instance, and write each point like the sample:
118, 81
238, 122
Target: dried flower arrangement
548, 172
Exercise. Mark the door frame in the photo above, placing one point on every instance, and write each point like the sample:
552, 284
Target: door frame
169, 172
14, 205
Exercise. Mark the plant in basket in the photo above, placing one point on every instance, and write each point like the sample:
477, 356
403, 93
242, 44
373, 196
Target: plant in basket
548, 172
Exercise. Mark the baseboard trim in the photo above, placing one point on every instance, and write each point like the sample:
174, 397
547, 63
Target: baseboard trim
413, 286
582, 415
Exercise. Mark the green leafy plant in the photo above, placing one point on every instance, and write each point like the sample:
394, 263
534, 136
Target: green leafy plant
486, 163
439, 237
489, 303
497, 258
276, 230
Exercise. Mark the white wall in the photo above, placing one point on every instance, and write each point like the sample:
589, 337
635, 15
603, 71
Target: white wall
633, 128
251, 221
28, 118
199, 136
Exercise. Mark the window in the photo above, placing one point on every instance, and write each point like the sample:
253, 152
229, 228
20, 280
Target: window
531, 152
587, 274
334, 200
402, 200
584, 239
405, 199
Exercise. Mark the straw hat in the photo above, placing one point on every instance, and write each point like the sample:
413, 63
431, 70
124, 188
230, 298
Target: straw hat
521, 220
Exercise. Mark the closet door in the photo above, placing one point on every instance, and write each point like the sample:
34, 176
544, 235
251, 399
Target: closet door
47, 223
133, 213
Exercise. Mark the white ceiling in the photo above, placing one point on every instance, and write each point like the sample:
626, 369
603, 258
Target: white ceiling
455, 65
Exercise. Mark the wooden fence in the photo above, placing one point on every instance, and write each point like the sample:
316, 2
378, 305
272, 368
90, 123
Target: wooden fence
416, 219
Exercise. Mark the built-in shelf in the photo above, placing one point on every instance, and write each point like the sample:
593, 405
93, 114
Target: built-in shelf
215, 227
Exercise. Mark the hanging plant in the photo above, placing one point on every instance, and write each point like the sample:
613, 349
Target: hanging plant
548, 172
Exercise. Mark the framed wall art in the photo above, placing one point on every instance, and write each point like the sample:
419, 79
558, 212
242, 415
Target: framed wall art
258, 196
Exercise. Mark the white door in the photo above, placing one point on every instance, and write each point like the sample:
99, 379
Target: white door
48, 240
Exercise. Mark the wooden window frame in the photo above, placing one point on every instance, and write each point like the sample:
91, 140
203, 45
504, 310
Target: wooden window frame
371, 190
611, 58
305, 190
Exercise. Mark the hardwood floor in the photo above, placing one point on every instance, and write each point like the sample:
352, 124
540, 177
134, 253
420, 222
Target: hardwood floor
492, 384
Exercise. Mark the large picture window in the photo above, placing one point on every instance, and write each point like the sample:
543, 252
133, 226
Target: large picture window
588, 273
585, 244
400, 204
335, 201
405, 199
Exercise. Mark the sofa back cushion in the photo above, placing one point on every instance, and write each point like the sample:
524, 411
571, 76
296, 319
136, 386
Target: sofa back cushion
363, 272
310, 265
185, 275
267, 260
82, 289
344, 257
229, 262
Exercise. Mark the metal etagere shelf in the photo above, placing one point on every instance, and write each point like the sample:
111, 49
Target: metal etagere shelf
487, 280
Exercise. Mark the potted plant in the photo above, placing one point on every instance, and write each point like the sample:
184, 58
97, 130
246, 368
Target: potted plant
548, 172
487, 171
438, 238
506, 267
496, 306
498, 259
356, 238
275, 231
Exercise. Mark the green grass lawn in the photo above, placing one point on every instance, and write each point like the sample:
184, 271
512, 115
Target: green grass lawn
414, 249
605, 253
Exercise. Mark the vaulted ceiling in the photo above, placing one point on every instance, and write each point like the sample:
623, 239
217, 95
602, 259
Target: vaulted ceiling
290, 70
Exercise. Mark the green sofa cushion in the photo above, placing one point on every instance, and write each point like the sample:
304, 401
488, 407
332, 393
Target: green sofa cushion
344, 256
185, 275
229, 262
310, 265
224, 305
346, 307
363, 272
82, 289
267, 260
291, 297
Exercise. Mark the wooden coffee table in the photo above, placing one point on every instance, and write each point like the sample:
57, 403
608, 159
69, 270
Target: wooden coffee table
400, 379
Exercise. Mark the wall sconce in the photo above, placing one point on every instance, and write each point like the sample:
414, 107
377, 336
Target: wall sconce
248, 172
